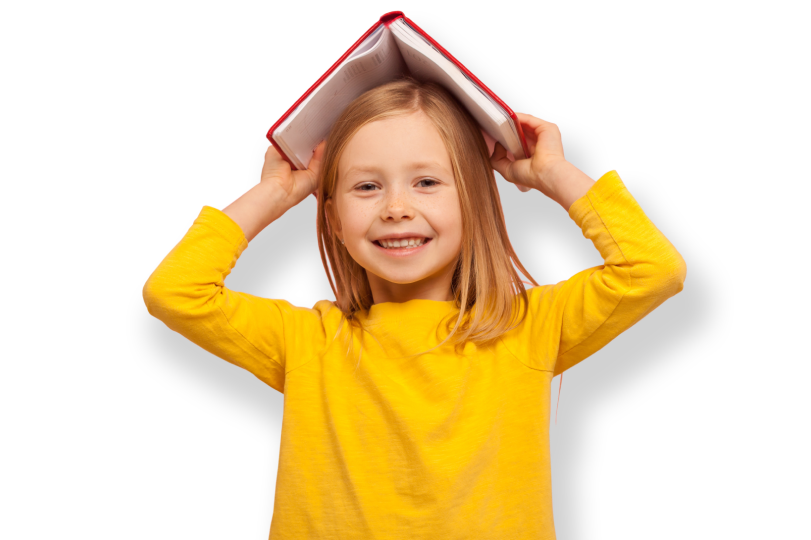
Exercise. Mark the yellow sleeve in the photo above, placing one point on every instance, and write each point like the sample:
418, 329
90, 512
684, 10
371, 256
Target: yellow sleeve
571, 320
187, 293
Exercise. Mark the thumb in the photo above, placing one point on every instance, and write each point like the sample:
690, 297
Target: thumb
499, 154
314, 166
502, 163
318, 155
512, 171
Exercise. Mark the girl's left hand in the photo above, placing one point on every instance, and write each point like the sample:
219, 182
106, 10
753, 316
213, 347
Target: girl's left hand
545, 152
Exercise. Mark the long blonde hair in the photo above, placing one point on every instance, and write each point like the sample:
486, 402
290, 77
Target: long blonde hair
485, 284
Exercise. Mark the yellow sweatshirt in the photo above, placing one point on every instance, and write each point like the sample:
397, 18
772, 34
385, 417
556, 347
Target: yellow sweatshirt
434, 446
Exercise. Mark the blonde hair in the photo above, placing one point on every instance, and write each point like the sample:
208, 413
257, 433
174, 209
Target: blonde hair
485, 284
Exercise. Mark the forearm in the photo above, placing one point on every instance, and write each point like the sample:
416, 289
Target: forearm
564, 183
257, 208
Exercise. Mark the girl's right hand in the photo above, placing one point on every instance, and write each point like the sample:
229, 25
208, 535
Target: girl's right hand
295, 184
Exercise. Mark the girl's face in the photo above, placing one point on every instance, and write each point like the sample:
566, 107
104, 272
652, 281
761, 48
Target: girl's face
395, 181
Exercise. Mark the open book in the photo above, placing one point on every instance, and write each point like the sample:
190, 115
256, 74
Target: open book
394, 46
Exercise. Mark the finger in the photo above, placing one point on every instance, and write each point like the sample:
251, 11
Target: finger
274, 163
547, 134
532, 121
537, 126
500, 161
272, 154
532, 141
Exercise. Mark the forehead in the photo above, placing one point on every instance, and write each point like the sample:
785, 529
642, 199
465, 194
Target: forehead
399, 143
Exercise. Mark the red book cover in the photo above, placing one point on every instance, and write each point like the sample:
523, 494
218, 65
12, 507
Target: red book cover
387, 19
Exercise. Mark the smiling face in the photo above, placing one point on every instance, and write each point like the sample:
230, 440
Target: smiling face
395, 180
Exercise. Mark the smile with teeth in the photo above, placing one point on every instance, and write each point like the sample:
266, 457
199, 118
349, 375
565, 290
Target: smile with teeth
408, 243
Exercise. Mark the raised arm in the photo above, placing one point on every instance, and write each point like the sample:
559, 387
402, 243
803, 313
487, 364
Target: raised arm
571, 320
187, 290
642, 269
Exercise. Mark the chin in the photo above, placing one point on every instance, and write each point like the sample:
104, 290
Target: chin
403, 280
400, 278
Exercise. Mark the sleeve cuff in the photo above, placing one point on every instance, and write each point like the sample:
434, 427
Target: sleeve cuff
222, 223
603, 189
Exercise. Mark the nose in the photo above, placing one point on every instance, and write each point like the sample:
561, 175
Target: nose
397, 204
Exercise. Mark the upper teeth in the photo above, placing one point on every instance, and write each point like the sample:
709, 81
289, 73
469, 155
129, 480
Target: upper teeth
402, 242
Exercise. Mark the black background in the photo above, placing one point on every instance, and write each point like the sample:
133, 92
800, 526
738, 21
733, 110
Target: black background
205, 434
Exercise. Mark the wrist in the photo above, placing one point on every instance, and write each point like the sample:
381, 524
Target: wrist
258, 207
564, 183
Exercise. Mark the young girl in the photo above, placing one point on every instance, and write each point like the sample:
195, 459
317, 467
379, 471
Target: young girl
429, 417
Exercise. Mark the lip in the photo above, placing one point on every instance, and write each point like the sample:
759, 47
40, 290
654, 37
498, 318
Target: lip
398, 236
403, 252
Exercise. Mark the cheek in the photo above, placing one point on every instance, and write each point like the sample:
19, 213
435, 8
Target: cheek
356, 216
446, 217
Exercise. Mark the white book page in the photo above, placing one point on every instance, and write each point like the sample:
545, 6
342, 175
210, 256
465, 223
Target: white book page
368, 43
376, 61
427, 63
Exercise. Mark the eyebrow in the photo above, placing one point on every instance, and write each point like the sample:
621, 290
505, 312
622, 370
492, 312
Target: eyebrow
418, 165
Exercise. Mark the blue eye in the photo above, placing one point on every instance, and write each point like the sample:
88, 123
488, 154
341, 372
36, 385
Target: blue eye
374, 186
